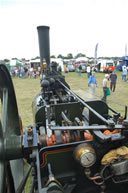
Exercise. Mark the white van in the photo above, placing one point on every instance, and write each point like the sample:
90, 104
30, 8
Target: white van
105, 66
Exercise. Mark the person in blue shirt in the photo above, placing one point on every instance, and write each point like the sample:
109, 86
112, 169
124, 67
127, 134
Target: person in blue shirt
124, 75
92, 83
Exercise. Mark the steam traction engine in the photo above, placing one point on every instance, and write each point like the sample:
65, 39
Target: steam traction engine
74, 146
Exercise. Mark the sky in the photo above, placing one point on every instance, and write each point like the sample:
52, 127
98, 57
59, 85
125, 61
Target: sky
76, 26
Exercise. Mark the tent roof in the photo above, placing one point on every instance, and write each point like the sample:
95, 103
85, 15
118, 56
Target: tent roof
15, 63
35, 61
82, 59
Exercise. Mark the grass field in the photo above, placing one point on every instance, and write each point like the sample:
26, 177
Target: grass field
27, 89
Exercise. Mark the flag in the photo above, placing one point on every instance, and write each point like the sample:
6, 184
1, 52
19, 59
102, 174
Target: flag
96, 50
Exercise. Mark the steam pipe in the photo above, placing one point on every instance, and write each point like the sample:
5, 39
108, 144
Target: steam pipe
44, 45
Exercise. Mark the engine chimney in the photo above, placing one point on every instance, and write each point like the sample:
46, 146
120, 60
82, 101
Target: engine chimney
44, 48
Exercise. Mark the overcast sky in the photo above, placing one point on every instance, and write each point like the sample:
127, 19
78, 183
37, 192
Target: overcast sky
75, 26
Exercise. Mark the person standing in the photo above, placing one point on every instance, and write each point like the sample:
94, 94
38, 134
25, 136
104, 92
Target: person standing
92, 83
66, 69
124, 74
34, 73
113, 78
79, 70
105, 87
88, 71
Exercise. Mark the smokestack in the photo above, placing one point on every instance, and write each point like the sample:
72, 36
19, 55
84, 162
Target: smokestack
44, 48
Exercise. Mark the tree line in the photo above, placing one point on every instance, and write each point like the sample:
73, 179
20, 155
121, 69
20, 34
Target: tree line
70, 56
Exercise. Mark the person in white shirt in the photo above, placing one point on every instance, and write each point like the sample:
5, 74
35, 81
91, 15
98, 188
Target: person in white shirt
88, 71
105, 87
124, 66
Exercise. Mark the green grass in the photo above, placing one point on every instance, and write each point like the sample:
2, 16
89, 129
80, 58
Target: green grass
117, 100
27, 89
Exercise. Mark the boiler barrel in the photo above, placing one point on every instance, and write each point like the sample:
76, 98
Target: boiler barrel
44, 45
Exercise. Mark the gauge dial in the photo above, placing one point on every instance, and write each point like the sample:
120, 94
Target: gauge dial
85, 154
87, 159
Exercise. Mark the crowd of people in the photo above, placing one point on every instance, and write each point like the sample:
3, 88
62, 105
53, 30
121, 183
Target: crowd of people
24, 72
107, 88
92, 83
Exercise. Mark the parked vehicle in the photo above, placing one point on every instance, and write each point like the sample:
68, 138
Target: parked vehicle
84, 67
71, 68
105, 66
123, 61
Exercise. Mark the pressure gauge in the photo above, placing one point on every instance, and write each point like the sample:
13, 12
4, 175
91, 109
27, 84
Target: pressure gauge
85, 155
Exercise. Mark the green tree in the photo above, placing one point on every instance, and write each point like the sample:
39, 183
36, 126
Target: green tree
15, 58
80, 55
23, 59
53, 56
6, 60
37, 57
69, 56
60, 56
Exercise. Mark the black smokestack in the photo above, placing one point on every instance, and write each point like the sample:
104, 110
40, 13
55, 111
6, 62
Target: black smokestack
44, 48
